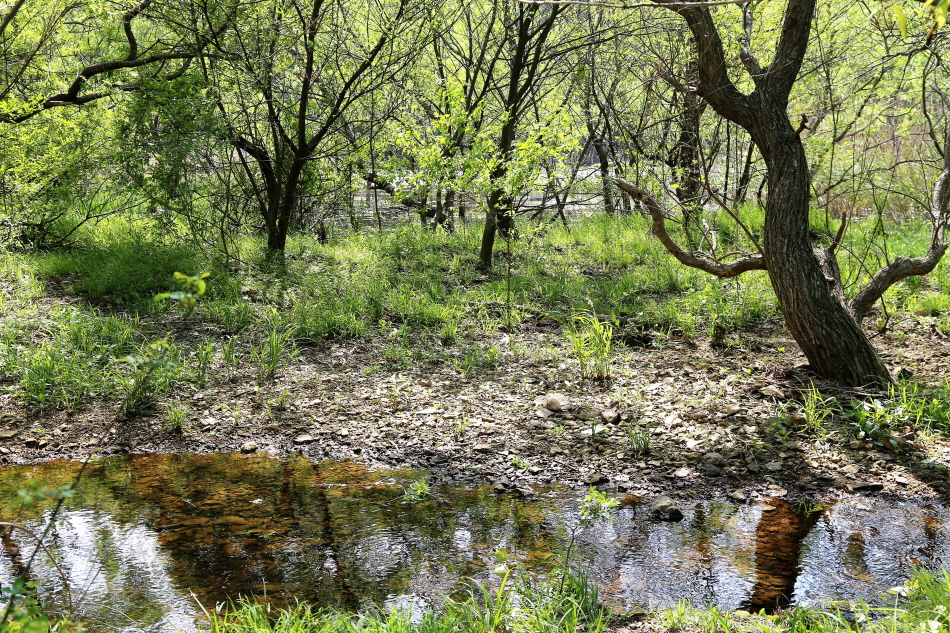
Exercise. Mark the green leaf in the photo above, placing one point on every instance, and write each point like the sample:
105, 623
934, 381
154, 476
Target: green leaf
901, 19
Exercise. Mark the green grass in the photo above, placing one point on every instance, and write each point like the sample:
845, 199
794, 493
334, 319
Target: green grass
419, 289
515, 607
922, 605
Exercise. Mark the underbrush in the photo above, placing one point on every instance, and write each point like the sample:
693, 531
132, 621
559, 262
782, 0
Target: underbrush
898, 421
921, 605
67, 316
567, 606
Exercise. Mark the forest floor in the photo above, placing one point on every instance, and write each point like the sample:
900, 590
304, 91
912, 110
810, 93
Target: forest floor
742, 420
392, 349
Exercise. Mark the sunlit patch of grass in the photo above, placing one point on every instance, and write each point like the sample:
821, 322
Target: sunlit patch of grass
518, 607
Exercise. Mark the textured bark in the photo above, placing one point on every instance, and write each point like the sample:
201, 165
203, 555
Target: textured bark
805, 279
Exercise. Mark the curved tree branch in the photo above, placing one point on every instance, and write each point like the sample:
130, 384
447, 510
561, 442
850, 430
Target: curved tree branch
691, 259
73, 96
903, 267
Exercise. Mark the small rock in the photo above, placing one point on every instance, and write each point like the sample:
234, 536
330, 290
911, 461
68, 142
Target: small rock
738, 495
249, 447
764, 507
557, 402
609, 416
716, 459
851, 469
29, 442
595, 478
712, 470
732, 409
666, 509
304, 439
682, 472
544, 413
772, 391
7, 435
901, 480
482, 448
343, 433
775, 491
774, 466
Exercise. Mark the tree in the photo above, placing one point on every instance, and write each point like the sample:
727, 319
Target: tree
805, 276
113, 48
283, 90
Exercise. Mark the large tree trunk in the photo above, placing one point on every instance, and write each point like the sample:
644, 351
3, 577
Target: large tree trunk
806, 280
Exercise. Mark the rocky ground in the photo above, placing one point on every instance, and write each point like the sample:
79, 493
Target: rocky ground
677, 417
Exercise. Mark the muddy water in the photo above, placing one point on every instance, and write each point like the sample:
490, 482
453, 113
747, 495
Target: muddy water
146, 537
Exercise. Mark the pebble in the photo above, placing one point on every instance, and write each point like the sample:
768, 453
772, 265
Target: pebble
482, 448
304, 439
715, 459
249, 447
557, 402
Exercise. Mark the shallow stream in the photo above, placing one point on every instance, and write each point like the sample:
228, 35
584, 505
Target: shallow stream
147, 537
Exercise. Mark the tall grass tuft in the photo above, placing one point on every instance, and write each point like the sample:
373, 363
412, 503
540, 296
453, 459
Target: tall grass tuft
521, 607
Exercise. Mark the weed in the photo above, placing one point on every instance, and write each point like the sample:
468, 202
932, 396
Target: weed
590, 340
141, 388
203, 357
276, 348
229, 354
417, 491
176, 414
478, 360
778, 427
191, 288
870, 420
638, 439
459, 428
519, 462
817, 409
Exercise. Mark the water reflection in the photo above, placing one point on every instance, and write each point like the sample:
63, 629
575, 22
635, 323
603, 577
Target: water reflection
144, 532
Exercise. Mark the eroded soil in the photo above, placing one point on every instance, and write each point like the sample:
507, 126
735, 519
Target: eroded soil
720, 422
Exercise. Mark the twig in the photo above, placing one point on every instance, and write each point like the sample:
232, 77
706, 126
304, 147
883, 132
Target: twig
675, 6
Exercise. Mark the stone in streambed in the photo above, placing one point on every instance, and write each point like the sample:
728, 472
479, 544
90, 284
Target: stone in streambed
664, 508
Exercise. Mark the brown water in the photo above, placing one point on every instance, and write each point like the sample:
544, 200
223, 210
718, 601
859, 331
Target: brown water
148, 536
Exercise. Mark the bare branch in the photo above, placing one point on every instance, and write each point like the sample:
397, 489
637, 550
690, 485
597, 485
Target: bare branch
903, 267
706, 264
675, 6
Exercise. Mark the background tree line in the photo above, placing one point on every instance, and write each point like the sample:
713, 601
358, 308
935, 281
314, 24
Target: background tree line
753, 135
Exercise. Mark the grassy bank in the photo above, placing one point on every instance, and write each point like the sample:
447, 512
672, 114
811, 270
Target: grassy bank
66, 316
922, 605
